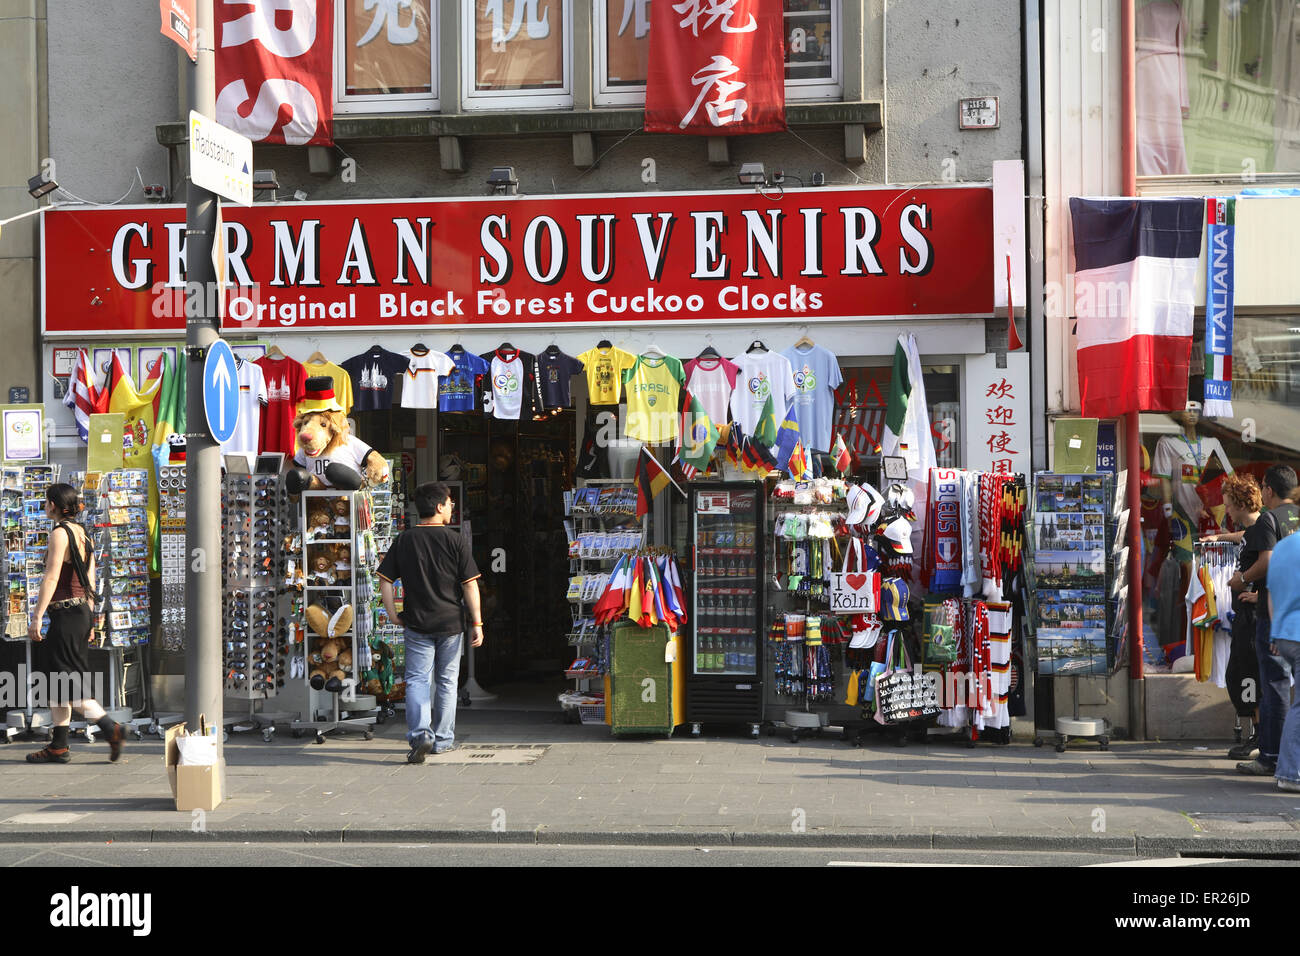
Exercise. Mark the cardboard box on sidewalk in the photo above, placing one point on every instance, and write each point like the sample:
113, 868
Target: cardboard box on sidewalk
195, 788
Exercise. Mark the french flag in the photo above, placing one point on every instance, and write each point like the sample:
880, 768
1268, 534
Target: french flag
1134, 293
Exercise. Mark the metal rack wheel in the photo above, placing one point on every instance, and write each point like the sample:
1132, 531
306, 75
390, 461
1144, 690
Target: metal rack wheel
368, 735
1105, 742
320, 737
1038, 741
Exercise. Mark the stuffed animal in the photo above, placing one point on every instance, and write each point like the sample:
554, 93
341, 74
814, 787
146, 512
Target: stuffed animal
319, 524
331, 653
342, 563
341, 512
322, 566
329, 457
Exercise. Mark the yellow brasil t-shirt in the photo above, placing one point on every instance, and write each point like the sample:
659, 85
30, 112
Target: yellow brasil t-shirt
653, 386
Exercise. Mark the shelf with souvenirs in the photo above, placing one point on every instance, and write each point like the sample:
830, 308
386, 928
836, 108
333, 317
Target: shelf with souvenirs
602, 527
383, 678
126, 555
340, 554
1078, 575
172, 555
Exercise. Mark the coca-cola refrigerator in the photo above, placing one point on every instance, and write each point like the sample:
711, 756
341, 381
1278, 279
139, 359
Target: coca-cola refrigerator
724, 673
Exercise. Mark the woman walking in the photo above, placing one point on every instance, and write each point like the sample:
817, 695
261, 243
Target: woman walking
67, 593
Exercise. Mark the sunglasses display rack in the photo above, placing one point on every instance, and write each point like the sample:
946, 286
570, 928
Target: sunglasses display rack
124, 498
387, 642
257, 650
171, 519
339, 552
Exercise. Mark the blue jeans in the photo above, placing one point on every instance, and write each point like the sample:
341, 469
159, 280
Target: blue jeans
1288, 758
1274, 689
430, 658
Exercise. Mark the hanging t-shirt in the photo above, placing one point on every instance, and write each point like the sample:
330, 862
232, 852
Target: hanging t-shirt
653, 387
554, 369
510, 371
342, 381
420, 383
1183, 462
252, 399
605, 368
762, 374
456, 388
712, 380
816, 376
374, 374
352, 453
286, 383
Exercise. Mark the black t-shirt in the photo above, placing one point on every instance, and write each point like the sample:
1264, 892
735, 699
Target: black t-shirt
1270, 528
432, 562
554, 370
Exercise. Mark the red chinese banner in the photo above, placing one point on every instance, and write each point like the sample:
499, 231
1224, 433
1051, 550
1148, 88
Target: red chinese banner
178, 24
274, 65
703, 257
716, 67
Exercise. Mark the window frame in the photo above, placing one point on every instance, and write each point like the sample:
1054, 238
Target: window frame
808, 90
473, 100
350, 103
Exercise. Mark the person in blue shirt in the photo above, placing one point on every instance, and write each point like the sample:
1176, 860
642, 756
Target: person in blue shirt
1284, 600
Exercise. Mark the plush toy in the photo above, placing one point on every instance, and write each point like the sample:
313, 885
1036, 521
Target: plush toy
341, 512
328, 456
331, 653
319, 524
322, 566
342, 563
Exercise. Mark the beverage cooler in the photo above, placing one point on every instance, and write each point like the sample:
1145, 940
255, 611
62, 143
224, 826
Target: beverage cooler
724, 673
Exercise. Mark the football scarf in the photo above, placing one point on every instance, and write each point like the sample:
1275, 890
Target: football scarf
1219, 280
942, 557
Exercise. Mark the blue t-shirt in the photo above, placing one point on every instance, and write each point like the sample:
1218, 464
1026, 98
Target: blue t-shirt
456, 390
816, 376
1284, 587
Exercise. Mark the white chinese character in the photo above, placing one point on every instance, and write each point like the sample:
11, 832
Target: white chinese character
538, 27
641, 8
714, 10
386, 11
722, 110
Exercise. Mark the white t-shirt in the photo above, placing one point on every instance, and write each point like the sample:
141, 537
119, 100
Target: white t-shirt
420, 382
252, 399
761, 374
1183, 463
712, 381
507, 386
352, 453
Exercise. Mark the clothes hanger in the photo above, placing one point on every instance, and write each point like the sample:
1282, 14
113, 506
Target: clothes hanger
709, 352
316, 357
756, 346
419, 348
274, 353
506, 347
654, 351
804, 340
604, 344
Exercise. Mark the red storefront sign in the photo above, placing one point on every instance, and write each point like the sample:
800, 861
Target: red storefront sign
274, 70
803, 256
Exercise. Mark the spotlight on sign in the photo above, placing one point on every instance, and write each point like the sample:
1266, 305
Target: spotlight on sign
752, 174
502, 181
265, 179
39, 186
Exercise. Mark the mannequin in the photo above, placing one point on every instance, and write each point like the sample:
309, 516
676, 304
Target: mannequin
1180, 462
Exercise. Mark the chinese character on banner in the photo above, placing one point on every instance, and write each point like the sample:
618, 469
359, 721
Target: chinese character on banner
716, 67
518, 44
387, 47
999, 438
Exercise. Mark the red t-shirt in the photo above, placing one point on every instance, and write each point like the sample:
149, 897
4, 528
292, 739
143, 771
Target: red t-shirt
286, 382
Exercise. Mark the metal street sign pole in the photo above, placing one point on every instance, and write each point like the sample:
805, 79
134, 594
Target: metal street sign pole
203, 693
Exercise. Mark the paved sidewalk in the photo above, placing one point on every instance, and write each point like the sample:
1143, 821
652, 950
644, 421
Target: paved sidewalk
1146, 799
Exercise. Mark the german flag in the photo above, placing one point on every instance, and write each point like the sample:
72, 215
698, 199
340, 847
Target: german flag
651, 478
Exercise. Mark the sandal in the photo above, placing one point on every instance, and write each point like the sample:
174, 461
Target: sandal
50, 755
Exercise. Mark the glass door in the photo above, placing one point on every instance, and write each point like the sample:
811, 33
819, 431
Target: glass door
726, 543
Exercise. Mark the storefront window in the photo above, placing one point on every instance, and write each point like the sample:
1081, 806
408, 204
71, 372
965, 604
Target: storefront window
1187, 457
862, 400
812, 50
385, 56
517, 53
1218, 87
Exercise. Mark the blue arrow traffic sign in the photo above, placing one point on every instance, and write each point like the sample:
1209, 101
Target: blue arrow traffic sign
221, 391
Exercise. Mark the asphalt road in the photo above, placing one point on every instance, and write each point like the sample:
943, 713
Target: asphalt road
477, 855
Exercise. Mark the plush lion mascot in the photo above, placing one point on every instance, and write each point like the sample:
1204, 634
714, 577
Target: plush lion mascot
328, 456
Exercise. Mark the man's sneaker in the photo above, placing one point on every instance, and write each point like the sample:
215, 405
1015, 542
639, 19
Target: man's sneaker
1245, 750
1290, 786
50, 755
446, 750
1257, 768
419, 750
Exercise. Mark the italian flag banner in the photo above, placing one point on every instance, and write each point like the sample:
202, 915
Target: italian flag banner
1219, 270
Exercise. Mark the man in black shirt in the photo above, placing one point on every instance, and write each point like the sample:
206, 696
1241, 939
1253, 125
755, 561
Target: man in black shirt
437, 570
1273, 525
